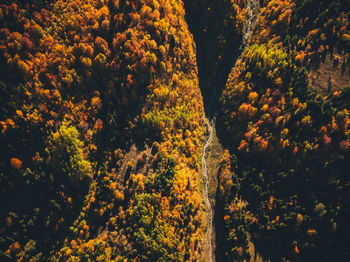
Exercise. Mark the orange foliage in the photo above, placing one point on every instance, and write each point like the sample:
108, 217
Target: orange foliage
16, 163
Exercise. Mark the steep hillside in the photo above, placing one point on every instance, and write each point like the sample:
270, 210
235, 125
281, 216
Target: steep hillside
101, 132
284, 181
170, 130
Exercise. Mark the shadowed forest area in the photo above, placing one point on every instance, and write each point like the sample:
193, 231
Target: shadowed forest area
110, 109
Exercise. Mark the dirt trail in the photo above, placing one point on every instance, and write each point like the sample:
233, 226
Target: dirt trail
213, 150
206, 190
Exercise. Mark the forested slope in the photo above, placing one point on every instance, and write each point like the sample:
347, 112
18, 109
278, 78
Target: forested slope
286, 184
102, 128
100, 132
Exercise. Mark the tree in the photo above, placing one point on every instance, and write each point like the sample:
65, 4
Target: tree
67, 154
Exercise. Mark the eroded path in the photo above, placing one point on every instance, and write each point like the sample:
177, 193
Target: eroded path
206, 190
212, 80
213, 149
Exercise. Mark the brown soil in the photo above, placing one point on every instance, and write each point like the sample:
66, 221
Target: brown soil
134, 161
213, 156
333, 74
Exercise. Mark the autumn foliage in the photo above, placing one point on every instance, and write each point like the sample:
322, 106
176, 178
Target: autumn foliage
288, 141
101, 128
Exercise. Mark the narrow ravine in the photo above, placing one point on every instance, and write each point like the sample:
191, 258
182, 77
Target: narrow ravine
252, 9
205, 171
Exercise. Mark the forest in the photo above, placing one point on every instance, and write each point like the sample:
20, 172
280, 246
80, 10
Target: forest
106, 108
